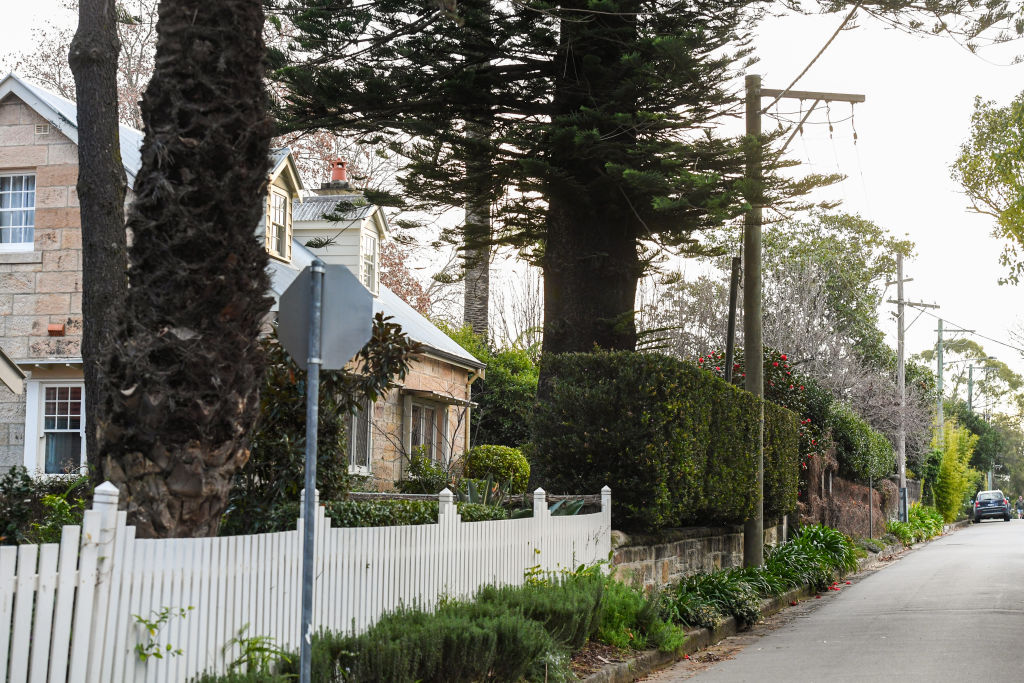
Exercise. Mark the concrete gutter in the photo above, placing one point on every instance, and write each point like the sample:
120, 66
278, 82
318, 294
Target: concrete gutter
698, 639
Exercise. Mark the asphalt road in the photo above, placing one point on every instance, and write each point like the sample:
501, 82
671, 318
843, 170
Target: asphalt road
952, 610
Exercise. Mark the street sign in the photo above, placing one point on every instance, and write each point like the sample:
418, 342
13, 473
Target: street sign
347, 317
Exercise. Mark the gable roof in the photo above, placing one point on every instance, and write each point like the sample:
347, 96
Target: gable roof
62, 114
413, 322
349, 207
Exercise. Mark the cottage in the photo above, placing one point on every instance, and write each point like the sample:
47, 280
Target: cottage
41, 380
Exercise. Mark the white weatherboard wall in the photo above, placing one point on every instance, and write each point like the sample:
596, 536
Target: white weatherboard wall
66, 610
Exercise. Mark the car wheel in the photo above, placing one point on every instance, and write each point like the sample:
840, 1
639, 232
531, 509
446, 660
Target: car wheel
1006, 518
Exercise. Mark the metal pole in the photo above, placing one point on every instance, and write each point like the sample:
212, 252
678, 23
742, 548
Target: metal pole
753, 529
901, 378
871, 505
730, 338
970, 388
309, 502
938, 358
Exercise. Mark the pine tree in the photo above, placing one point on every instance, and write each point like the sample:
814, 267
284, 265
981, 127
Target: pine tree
596, 119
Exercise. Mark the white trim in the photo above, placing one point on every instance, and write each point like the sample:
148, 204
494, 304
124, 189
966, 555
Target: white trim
35, 436
367, 415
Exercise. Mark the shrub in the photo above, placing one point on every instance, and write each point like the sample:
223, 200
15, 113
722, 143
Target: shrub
503, 463
727, 592
675, 444
953, 482
861, 451
506, 395
901, 530
925, 522
425, 476
34, 510
568, 608
630, 618
781, 461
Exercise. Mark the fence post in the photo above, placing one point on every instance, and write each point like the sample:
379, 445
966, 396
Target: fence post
302, 501
104, 501
447, 512
541, 525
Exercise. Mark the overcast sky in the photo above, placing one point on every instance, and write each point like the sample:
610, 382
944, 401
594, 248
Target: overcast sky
920, 93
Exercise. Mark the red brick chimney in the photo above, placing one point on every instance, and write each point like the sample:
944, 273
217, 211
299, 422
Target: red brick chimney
339, 170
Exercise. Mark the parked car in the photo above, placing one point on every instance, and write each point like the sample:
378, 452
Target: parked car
989, 504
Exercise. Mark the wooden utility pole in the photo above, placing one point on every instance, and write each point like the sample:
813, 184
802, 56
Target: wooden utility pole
901, 380
753, 529
730, 337
938, 383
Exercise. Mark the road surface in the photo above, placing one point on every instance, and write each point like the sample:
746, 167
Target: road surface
952, 610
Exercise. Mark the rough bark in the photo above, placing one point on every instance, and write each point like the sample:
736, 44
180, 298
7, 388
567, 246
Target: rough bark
187, 365
101, 191
477, 265
591, 264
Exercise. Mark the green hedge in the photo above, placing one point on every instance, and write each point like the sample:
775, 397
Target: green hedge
676, 445
504, 463
860, 450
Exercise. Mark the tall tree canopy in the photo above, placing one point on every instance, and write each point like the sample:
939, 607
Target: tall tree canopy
599, 122
990, 167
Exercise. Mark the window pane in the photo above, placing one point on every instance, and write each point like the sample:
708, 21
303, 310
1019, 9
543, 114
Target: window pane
5, 183
63, 453
30, 182
16, 183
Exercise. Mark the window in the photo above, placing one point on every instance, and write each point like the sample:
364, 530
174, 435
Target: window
359, 442
277, 228
54, 426
62, 429
17, 212
428, 430
370, 262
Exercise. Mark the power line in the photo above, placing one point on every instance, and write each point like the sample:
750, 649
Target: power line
976, 334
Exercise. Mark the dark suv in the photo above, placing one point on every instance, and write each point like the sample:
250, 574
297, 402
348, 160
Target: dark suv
991, 504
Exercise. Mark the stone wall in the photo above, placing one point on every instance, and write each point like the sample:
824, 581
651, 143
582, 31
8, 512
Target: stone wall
676, 553
42, 286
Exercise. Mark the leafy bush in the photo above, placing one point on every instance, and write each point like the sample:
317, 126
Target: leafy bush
925, 522
675, 444
505, 396
953, 482
568, 608
34, 510
503, 463
901, 530
861, 451
425, 476
727, 593
630, 618
781, 461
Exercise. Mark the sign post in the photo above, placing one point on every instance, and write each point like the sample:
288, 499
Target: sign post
317, 340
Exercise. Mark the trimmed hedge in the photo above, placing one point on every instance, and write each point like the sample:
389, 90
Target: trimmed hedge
504, 463
676, 445
352, 513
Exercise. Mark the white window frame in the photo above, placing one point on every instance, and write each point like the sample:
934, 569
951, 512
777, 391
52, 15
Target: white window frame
35, 434
365, 415
278, 232
7, 247
439, 445
369, 262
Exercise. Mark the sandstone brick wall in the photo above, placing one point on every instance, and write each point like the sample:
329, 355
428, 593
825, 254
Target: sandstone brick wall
41, 286
681, 552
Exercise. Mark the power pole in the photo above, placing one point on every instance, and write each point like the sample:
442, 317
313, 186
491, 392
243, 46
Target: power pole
753, 529
938, 358
970, 388
901, 379
730, 338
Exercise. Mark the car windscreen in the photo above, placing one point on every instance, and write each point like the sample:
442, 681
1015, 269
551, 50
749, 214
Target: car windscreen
990, 495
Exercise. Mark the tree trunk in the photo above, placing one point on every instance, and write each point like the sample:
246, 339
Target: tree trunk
591, 271
477, 252
591, 262
187, 365
101, 190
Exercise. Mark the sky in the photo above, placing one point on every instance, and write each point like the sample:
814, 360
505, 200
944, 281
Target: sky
919, 97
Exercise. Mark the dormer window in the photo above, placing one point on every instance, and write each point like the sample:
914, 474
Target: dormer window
279, 225
370, 260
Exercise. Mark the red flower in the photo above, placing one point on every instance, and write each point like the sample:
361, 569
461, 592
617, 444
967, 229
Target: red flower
718, 369
801, 389
701, 359
792, 602
783, 356
775, 364
790, 386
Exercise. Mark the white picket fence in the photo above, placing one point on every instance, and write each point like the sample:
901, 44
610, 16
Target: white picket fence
67, 610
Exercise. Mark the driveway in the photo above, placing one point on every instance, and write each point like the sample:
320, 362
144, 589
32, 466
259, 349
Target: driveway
952, 610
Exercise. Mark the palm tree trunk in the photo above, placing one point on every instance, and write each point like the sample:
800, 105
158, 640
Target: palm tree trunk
186, 365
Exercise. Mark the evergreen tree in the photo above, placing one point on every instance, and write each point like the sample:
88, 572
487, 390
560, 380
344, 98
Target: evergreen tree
596, 119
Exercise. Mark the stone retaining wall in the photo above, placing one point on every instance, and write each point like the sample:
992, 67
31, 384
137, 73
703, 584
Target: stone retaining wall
657, 561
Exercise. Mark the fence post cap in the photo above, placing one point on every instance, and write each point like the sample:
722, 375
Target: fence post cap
105, 494
539, 492
445, 495
605, 490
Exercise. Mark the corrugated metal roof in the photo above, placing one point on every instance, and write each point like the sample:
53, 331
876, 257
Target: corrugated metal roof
63, 114
412, 321
349, 207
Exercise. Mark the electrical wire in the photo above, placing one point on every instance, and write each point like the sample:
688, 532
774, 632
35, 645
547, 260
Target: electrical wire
964, 330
